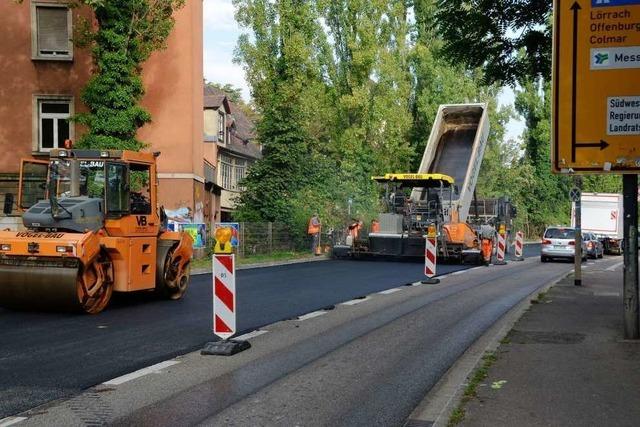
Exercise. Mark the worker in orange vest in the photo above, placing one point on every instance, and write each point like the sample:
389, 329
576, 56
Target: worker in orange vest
314, 231
354, 228
375, 226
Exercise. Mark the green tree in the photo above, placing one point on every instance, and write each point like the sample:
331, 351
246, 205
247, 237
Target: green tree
127, 32
279, 62
509, 39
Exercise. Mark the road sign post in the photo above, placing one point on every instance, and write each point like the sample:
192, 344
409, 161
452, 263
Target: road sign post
596, 97
630, 282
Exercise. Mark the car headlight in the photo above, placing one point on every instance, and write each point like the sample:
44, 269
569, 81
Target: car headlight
5, 247
64, 249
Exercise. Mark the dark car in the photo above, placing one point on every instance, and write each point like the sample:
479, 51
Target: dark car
595, 248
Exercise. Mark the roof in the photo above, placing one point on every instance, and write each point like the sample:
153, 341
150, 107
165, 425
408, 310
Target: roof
415, 179
241, 147
215, 98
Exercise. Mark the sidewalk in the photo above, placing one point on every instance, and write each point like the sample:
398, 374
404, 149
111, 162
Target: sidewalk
565, 363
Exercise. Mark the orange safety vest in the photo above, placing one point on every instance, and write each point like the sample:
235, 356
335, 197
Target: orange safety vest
313, 228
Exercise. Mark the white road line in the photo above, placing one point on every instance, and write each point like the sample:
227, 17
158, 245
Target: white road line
390, 291
252, 334
455, 273
356, 301
9, 421
311, 315
614, 266
141, 373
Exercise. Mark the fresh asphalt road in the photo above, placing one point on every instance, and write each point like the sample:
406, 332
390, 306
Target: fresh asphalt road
46, 356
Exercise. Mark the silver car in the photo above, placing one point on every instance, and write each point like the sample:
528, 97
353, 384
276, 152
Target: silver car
559, 242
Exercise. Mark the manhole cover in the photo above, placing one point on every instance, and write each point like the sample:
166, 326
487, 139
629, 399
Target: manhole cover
545, 337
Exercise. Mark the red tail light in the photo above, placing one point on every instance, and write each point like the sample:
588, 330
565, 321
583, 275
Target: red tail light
546, 242
572, 243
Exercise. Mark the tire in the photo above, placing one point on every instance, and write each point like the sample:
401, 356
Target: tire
544, 258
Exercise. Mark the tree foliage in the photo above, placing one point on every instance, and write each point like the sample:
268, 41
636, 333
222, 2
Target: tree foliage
346, 89
509, 39
127, 32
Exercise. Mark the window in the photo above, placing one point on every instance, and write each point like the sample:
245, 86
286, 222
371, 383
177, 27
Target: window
221, 130
140, 194
51, 31
53, 123
226, 169
117, 190
240, 173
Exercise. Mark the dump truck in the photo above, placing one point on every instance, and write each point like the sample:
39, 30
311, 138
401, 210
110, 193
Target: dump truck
92, 227
440, 193
602, 215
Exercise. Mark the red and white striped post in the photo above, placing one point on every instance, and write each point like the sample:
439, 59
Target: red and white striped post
519, 245
502, 245
224, 308
224, 296
430, 256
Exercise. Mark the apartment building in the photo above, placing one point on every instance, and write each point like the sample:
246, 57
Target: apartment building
43, 73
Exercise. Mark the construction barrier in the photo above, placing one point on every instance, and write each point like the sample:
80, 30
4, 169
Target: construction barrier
224, 296
501, 248
430, 256
519, 245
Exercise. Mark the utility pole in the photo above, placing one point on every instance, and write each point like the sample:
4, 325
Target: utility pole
630, 291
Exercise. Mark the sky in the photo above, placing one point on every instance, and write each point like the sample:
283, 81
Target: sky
221, 34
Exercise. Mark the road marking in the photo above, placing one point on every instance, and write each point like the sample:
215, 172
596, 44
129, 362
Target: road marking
9, 421
390, 291
455, 273
606, 294
252, 334
614, 266
141, 373
356, 301
311, 315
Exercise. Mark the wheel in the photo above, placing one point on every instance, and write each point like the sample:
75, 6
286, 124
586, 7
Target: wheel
544, 258
601, 254
172, 280
95, 285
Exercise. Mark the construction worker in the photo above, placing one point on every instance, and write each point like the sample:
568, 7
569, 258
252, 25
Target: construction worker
354, 228
375, 226
314, 231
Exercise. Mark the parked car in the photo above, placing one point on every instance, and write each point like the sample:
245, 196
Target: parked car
559, 242
595, 248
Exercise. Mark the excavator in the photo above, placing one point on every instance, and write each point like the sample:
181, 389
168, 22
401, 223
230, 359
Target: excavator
92, 229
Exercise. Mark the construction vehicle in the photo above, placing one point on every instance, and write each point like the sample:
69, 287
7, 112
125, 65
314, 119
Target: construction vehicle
92, 228
439, 194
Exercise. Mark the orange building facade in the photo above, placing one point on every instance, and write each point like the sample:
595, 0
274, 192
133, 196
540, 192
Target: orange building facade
43, 74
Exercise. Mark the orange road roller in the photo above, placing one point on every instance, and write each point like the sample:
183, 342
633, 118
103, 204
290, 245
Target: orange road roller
92, 228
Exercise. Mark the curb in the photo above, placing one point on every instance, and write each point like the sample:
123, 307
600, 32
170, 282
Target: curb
437, 406
200, 271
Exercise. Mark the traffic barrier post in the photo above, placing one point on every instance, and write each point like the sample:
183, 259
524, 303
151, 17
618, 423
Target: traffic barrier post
519, 246
430, 256
502, 245
224, 308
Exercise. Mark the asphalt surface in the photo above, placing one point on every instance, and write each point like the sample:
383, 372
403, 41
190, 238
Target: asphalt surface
47, 356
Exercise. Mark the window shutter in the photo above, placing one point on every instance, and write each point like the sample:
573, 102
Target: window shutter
53, 35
